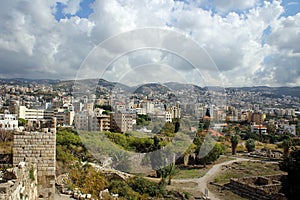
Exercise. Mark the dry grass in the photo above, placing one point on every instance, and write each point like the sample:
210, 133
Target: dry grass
199, 172
246, 169
239, 170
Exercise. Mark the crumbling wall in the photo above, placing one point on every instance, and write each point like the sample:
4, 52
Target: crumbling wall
261, 188
39, 148
19, 183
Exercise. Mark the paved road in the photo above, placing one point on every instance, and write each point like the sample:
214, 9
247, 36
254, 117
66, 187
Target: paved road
209, 176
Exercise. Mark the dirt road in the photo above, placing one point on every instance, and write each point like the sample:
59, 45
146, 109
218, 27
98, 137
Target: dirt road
209, 176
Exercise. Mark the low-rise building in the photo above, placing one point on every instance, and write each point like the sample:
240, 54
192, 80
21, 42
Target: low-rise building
8, 121
259, 129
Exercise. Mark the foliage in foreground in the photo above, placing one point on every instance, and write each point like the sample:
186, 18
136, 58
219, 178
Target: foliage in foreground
291, 164
130, 143
87, 179
69, 149
137, 188
70, 153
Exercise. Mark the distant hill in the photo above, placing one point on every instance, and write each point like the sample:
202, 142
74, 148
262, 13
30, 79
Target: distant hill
152, 88
23, 81
104, 85
273, 92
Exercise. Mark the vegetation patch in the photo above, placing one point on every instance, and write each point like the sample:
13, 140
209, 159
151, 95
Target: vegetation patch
246, 169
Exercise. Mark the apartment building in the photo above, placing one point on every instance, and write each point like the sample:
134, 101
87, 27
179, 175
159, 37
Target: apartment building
8, 121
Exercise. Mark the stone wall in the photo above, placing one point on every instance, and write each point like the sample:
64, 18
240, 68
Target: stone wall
39, 148
19, 183
260, 188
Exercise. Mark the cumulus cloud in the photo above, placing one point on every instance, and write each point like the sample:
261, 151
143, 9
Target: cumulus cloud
72, 7
33, 44
234, 5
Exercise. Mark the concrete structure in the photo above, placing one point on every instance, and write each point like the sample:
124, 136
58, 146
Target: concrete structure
64, 115
256, 117
8, 121
104, 122
81, 121
86, 121
27, 113
168, 117
121, 121
259, 129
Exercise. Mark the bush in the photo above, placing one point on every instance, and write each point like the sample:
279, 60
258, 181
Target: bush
144, 186
123, 189
87, 179
250, 145
69, 146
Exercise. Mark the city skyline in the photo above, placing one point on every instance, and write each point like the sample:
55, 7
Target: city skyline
250, 42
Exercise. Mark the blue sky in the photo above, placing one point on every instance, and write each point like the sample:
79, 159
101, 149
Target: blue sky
291, 7
84, 12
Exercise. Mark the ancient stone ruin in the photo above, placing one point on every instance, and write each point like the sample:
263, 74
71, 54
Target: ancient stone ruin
259, 187
19, 182
36, 145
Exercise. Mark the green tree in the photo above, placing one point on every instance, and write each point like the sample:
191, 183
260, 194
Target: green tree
169, 172
234, 142
22, 122
212, 155
286, 144
250, 145
209, 151
291, 164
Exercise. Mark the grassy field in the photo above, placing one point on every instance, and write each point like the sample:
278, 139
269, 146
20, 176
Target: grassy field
246, 169
199, 172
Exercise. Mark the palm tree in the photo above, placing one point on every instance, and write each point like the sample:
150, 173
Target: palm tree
234, 142
173, 170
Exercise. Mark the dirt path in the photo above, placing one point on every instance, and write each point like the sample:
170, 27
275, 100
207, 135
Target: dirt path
209, 176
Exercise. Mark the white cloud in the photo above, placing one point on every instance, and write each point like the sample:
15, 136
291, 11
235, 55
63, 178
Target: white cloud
72, 7
224, 6
34, 45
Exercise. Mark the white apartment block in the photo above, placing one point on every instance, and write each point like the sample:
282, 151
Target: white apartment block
26, 113
8, 121
63, 115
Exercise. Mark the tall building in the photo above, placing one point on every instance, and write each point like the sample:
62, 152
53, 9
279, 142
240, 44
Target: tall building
256, 117
104, 122
121, 121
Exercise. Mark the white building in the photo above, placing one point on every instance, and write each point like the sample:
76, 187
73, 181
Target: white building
168, 117
259, 129
8, 121
26, 113
291, 129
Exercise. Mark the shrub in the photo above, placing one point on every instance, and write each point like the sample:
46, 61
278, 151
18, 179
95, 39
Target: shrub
250, 145
144, 186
